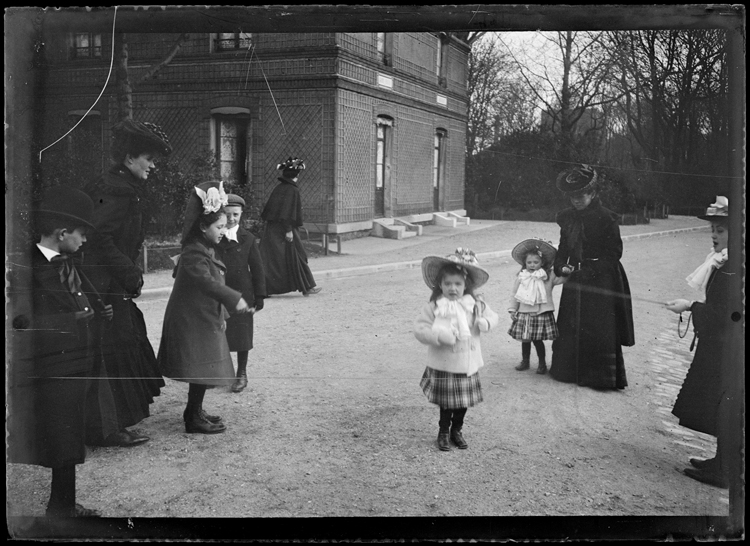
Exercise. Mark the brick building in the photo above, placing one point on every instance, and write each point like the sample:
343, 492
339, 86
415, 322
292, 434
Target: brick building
379, 118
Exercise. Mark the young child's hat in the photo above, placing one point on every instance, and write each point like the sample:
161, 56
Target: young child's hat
544, 249
580, 179
68, 204
718, 210
142, 134
205, 198
463, 258
236, 200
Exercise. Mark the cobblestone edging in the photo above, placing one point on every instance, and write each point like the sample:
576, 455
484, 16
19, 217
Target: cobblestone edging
670, 360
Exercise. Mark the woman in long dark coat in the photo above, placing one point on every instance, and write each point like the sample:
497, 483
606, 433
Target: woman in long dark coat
595, 319
128, 380
239, 252
697, 404
284, 257
194, 346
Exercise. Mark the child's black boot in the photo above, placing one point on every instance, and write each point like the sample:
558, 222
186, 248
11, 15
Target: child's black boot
542, 369
443, 439
524, 365
456, 426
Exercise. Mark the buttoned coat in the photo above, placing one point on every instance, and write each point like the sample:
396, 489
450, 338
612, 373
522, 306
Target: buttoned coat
465, 357
194, 346
244, 273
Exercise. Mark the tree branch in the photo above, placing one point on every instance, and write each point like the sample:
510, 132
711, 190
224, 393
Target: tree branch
151, 72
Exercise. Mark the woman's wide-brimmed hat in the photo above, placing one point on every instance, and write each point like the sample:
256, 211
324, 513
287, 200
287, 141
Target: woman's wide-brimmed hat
236, 200
543, 248
205, 198
463, 258
71, 206
717, 210
579, 179
136, 134
291, 164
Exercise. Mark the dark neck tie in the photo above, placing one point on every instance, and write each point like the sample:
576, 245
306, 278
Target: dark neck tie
68, 273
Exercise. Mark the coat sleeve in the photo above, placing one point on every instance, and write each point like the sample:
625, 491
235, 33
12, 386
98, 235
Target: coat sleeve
492, 318
110, 213
196, 266
423, 327
255, 263
513, 303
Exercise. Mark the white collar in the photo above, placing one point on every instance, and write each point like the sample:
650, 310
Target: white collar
48, 252
231, 233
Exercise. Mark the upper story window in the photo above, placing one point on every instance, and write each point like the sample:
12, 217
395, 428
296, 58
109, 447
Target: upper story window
228, 41
384, 45
441, 62
86, 45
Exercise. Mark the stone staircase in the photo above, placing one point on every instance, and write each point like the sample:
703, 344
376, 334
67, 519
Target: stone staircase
401, 228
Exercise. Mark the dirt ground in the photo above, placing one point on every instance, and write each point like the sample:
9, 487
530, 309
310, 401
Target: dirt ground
334, 424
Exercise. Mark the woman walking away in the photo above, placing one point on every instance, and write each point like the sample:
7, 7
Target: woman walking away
595, 319
450, 326
194, 346
697, 404
531, 306
284, 257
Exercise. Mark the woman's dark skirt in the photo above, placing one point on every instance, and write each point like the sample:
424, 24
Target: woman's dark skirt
451, 390
285, 263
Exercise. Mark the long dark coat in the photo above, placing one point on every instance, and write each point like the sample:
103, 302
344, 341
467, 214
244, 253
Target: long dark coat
109, 258
697, 404
285, 263
244, 273
194, 346
595, 318
50, 429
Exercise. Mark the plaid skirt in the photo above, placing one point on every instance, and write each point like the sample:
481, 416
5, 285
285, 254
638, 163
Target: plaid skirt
451, 390
527, 327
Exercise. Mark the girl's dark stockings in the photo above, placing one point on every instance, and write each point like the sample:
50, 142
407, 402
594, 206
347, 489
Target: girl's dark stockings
62, 497
526, 349
242, 362
451, 416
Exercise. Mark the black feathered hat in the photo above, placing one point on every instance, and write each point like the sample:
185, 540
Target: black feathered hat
580, 179
130, 134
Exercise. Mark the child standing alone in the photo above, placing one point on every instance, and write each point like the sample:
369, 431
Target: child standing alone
531, 306
450, 326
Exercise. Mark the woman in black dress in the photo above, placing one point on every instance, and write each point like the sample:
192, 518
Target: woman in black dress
284, 257
595, 319
128, 378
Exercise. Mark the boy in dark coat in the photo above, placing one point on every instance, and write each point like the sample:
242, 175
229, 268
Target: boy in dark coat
63, 355
239, 252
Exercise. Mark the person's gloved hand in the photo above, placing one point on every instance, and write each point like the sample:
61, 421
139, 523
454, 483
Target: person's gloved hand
258, 304
484, 324
679, 305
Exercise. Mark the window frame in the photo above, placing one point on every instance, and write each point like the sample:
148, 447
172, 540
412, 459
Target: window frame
93, 50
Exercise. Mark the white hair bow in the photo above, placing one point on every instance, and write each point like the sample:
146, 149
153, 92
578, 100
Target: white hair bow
213, 199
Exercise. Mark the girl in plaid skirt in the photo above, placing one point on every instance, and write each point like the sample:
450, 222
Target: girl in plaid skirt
531, 306
450, 325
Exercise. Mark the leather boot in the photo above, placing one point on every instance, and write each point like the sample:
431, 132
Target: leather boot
443, 441
196, 423
458, 438
524, 365
542, 369
240, 383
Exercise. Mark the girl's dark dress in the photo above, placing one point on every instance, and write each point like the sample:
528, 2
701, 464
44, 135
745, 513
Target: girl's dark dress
285, 263
596, 316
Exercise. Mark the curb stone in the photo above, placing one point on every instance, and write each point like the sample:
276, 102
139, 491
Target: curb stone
155, 293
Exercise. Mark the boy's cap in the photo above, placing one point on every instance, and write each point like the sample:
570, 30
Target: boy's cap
236, 200
70, 205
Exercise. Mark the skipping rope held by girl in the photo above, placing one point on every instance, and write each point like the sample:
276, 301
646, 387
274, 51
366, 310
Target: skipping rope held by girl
450, 325
531, 306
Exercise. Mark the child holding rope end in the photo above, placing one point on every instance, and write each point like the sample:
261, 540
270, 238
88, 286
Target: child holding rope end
531, 306
450, 326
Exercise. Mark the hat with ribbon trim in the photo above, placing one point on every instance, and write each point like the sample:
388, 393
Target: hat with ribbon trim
543, 248
580, 179
205, 198
135, 134
291, 164
463, 258
717, 210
